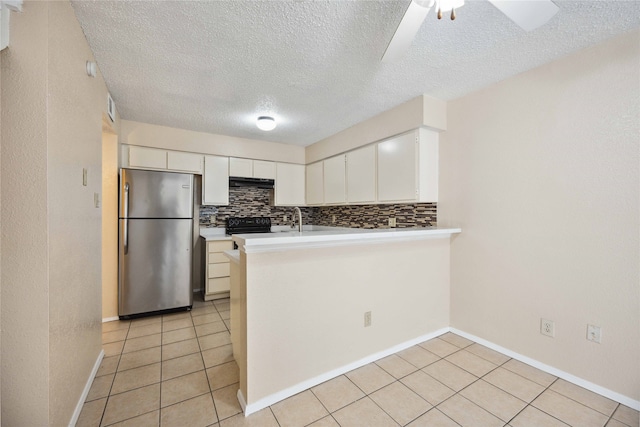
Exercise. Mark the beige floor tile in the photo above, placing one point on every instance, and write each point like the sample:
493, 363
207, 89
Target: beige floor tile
184, 388
222, 304
263, 418
211, 328
113, 336
487, 354
568, 410
205, 318
364, 412
178, 335
514, 384
136, 378
337, 393
139, 358
370, 378
327, 421
177, 324
108, 365
113, 349
202, 310
457, 340
223, 375
299, 410
150, 419
491, 398
196, 412
471, 363
180, 348
396, 366
532, 417
225, 315
402, 404
468, 414
418, 356
616, 423
214, 340
627, 415
434, 418
141, 331
584, 396
427, 387
227, 323
217, 356
439, 347
181, 366
143, 321
141, 343
450, 375
131, 404
198, 302
91, 413
529, 372
115, 325
226, 401
176, 316
100, 387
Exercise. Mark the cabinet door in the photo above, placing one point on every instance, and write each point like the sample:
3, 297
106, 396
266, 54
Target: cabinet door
189, 162
264, 169
289, 184
361, 175
334, 180
240, 167
315, 184
397, 180
143, 157
215, 181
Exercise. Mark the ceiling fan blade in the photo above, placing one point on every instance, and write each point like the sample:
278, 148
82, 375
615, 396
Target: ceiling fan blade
406, 31
528, 14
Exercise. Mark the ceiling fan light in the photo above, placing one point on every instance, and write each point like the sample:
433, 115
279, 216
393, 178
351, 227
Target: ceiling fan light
266, 123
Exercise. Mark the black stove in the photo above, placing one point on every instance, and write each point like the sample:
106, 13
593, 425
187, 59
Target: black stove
236, 225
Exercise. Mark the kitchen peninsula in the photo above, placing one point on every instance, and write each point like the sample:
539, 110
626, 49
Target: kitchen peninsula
308, 306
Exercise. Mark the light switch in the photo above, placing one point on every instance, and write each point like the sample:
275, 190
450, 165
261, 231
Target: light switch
96, 200
84, 176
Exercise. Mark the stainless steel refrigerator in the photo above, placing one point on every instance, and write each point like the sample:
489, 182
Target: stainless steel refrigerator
155, 226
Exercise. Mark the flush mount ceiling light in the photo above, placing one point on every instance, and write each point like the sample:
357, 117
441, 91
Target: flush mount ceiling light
266, 123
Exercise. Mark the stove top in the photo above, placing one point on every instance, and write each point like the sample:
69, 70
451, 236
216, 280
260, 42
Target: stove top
243, 225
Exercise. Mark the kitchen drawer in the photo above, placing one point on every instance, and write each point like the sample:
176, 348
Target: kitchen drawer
217, 257
219, 246
222, 284
219, 270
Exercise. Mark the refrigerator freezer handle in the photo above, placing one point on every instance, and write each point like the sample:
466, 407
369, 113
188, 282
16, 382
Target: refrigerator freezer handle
126, 219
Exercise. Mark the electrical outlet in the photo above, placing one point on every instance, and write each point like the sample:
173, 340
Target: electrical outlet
333, 219
392, 222
96, 200
284, 218
367, 319
547, 327
594, 333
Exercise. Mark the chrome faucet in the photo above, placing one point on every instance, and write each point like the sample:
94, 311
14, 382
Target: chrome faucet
299, 212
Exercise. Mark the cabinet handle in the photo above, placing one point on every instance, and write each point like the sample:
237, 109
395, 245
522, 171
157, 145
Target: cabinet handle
126, 219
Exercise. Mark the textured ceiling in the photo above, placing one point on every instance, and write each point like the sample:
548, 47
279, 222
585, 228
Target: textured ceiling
214, 66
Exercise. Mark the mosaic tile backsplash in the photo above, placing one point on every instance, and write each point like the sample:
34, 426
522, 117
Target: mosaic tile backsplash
251, 201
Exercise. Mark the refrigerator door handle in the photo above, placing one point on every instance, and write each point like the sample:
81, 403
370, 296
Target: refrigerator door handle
126, 219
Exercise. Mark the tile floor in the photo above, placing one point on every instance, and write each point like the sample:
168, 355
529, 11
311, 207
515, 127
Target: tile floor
178, 370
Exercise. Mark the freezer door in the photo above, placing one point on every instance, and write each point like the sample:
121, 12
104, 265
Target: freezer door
155, 268
152, 194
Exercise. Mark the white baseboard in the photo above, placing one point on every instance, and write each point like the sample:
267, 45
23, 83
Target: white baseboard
242, 401
85, 392
110, 319
625, 400
288, 392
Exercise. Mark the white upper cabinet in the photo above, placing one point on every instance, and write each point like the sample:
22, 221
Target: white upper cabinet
148, 158
290, 184
334, 180
188, 162
240, 167
264, 169
315, 184
215, 181
408, 167
361, 175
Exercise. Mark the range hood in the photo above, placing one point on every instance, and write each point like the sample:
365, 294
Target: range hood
240, 181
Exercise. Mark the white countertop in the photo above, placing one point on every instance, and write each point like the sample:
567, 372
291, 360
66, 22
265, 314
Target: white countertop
211, 234
315, 236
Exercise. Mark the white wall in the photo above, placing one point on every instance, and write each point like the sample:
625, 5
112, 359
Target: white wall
541, 173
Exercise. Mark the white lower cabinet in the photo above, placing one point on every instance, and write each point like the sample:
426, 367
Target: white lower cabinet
215, 181
314, 184
217, 281
290, 184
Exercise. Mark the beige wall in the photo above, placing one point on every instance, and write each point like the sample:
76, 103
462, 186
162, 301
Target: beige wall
51, 274
541, 173
109, 225
144, 134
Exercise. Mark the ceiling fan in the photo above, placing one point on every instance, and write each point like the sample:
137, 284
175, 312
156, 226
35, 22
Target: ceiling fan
528, 14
